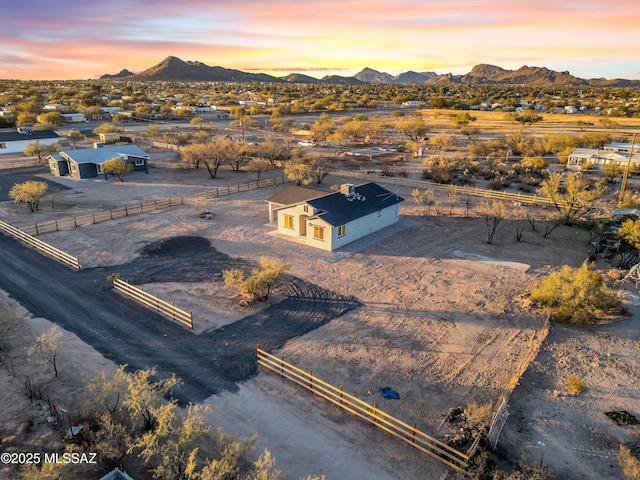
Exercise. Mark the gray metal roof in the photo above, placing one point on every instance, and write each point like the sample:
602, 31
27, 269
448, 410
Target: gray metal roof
98, 156
338, 209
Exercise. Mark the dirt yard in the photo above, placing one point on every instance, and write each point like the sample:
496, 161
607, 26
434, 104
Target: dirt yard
444, 320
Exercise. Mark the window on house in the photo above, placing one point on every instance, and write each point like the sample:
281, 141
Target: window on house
288, 221
74, 167
342, 230
100, 169
139, 163
306, 208
3, 145
318, 232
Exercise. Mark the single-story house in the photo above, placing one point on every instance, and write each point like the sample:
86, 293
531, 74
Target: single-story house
332, 220
595, 157
16, 140
88, 162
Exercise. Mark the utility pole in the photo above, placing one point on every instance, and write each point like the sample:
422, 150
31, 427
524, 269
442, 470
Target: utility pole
626, 170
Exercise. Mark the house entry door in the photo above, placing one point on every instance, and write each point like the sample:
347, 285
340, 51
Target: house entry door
303, 225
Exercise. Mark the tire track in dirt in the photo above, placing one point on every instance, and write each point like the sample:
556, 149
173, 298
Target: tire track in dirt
127, 333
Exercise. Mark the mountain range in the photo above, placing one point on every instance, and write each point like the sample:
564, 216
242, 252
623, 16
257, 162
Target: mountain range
175, 69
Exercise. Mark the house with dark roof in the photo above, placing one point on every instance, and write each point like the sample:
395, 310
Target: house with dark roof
330, 221
290, 196
14, 141
88, 162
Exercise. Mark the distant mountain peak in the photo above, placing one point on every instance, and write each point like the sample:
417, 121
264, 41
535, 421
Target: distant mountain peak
369, 75
174, 69
121, 74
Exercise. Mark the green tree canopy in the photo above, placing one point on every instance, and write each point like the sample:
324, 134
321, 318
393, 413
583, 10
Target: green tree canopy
28, 193
630, 232
40, 150
573, 196
51, 118
576, 295
107, 128
258, 284
75, 136
117, 166
414, 128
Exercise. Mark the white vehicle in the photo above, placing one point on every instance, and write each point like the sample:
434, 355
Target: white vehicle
307, 143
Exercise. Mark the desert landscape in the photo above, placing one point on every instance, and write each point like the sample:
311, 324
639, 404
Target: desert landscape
442, 317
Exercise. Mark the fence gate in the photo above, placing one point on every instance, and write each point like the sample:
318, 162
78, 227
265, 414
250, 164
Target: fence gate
497, 423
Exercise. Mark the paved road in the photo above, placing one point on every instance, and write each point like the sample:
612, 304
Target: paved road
84, 303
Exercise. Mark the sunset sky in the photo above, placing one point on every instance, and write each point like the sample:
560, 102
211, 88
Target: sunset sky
64, 39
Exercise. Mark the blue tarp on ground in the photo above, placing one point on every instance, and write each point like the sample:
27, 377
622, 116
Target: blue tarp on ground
389, 393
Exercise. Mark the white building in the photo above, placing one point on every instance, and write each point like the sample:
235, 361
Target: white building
74, 117
16, 141
595, 157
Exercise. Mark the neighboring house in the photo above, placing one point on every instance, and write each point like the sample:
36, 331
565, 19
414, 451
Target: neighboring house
621, 147
88, 162
116, 474
330, 221
594, 157
15, 141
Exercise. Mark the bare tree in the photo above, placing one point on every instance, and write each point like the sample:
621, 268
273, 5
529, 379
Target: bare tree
492, 213
424, 199
46, 348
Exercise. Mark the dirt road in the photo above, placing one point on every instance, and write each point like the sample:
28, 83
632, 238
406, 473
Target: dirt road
85, 303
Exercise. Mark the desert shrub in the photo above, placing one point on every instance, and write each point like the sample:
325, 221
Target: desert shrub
498, 183
530, 180
630, 232
258, 284
576, 385
629, 464
576, 295
526, 472
630, 201
478, 414
526, 188
537, 163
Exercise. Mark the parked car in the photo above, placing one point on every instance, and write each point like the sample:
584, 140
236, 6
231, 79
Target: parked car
307, 143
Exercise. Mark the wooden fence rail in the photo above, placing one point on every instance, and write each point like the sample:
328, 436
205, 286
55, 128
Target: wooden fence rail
153, 302
101, 216
370, 413
242, 187
459, 190
21, 163
43, 247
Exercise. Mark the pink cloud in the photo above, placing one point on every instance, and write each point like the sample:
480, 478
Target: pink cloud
79, 40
